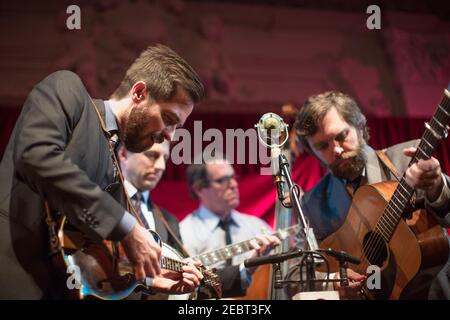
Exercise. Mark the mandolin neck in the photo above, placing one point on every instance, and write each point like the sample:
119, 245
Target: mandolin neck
172, 264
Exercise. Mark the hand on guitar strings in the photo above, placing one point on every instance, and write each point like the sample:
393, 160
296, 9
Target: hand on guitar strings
171, 282
425, 175
263, 244
143, 252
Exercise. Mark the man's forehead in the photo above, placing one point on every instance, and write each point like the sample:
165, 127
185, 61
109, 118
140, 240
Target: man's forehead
160, 147
331, 123
219, 166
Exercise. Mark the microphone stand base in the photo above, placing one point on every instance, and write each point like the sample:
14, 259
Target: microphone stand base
317, 295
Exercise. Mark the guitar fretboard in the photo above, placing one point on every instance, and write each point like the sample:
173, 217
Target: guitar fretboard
215, 256
434, 131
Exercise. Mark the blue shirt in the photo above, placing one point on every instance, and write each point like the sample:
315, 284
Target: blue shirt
200, 233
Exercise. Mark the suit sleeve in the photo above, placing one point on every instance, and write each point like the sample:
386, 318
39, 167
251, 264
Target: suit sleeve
231, 282
51, 113
440, 211
440, 208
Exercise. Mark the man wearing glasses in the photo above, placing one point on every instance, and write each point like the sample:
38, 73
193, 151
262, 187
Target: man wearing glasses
216, 223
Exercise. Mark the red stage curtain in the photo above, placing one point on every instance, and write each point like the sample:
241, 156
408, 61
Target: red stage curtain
258, 192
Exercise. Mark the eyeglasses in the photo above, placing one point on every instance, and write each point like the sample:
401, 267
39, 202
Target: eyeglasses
225, 180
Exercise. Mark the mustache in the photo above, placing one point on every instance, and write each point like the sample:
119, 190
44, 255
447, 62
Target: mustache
348, 155
158, 137
344, 156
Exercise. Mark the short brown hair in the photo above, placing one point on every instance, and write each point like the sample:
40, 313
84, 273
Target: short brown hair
162, 70
197, 177
317, 106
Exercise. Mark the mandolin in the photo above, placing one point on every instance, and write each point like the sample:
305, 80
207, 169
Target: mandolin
105, 272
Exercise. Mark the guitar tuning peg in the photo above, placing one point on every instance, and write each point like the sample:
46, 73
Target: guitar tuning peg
446, 131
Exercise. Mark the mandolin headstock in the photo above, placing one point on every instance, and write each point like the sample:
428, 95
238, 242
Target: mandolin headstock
211, 285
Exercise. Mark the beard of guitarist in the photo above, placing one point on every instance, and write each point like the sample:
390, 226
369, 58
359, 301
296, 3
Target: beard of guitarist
332, 128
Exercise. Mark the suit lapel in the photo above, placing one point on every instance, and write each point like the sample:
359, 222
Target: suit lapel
159, 226
374, 172
100, 107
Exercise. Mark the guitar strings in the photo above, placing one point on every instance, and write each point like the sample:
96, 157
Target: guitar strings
432, 141
373, 249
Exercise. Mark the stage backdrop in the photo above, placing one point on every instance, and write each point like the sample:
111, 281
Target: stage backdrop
257, 192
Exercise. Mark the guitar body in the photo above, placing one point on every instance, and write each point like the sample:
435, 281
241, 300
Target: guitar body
260, 286
401, 258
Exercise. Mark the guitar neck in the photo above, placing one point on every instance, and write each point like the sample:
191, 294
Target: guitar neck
434, 131
232, 250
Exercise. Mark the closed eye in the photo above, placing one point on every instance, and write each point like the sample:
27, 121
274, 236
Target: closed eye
171, 119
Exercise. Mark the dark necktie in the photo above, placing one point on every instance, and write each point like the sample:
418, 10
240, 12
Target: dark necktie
224, 224
137, 200
351, 186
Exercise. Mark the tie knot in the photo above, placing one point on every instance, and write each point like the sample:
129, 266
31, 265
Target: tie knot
114, 139
224, 224
137, 197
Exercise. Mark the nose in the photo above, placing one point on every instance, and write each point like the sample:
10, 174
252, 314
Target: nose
233, 183
160, 164
169, 133
337, 149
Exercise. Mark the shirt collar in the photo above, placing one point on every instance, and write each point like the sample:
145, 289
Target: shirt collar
145, 195
211, 219
131, 190
110, 118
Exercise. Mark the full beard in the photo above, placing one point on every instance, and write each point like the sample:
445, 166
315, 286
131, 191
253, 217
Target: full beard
133, 139
353, 167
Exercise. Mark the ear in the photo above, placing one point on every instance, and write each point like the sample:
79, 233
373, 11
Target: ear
197, 190
139, 92
122, 153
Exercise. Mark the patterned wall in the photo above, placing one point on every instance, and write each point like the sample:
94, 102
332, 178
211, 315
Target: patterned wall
252, 58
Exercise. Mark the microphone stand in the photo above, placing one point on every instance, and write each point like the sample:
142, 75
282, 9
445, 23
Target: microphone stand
311, 242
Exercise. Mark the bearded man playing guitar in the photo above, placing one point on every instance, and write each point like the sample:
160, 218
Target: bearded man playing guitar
332, 128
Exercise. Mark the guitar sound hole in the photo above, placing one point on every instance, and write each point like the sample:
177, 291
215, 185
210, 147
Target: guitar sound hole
375, 249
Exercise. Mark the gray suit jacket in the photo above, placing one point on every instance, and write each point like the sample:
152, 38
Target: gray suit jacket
57, 152
326, 206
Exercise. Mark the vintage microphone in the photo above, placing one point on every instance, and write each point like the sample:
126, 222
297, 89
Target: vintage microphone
273, 133
270, 129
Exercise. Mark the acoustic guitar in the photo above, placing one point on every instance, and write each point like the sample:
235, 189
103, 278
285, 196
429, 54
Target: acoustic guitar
376, 232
